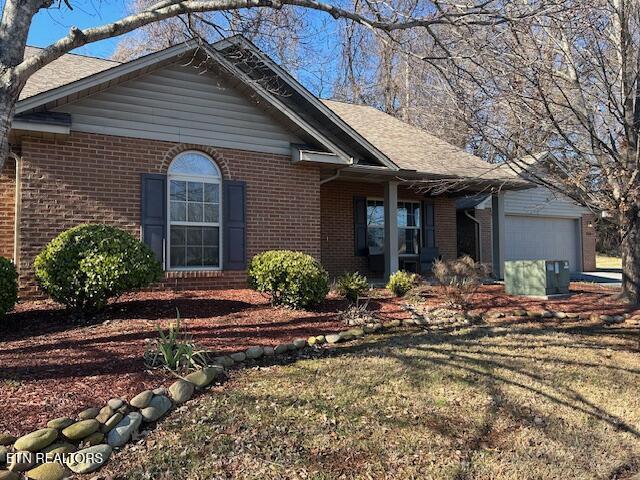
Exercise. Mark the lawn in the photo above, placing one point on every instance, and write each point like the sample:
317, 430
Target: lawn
603, 261
508, 399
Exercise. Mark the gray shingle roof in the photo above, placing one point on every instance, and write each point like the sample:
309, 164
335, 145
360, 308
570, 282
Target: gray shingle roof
412, 148
66, 69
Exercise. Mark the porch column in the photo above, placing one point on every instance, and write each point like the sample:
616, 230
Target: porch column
497, 234
390, 228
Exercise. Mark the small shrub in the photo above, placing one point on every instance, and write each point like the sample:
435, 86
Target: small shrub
291, 279
401, 282
174, 350
459, 279
86, 265
8, 286
352, 286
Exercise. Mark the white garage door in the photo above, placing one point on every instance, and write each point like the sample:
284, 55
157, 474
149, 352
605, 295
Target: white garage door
542, 238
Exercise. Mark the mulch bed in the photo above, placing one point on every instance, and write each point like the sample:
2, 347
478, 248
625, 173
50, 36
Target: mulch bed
53, 366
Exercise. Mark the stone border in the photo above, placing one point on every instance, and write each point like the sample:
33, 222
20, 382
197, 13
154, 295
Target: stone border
84, 444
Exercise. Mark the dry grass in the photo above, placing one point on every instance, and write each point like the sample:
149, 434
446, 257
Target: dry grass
602, 261
501, 401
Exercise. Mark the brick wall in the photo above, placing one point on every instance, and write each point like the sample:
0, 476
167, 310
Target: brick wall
7, 207
96, 178
337, 231
588, 243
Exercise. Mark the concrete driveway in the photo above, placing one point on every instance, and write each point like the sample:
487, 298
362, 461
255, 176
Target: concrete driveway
609, 276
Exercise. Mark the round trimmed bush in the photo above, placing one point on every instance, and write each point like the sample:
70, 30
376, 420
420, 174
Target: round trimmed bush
8, 286
86, 265
401, 282
291, 279
352, 286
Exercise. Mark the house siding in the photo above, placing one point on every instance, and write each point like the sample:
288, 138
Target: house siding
543, 202
337, 227
96, 178
181, 103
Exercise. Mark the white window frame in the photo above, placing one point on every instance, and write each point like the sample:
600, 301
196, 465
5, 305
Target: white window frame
419, 227
202, 179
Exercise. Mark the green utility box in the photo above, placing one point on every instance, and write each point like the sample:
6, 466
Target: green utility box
536, 277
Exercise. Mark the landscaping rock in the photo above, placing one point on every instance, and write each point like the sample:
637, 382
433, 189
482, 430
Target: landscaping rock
58, 449
320, 339
531, 314
346, 336
89, 459
254, 352
238, 356
89, 413
158, 406
393, 323
572, 315
356, 332
519, 313
180, 391
111, 423
123, 431
202, 378
161, 391
299, 343
618, 319
368, 329
333, 338
560, 315
269, 351
93, 439
606, 318
47, 471
546, 314
22, 461
37, 440
311, 341
282, 348
224, 361
115, 403
142, 399
6, 439
7, 475
81, 429
60, 423
105, 414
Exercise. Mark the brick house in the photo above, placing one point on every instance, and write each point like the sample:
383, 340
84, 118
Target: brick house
212, 154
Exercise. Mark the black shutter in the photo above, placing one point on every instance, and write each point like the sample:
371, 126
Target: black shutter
360, 226
429, 222
153, 213
234, 224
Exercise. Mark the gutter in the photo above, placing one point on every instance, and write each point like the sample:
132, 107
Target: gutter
478, 240
18, 209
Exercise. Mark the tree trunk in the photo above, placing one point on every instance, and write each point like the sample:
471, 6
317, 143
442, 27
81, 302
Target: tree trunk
630, 252
7, 106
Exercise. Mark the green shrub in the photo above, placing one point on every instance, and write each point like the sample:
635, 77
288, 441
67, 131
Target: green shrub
8, 286
291, 279
401, 282
86, 265
352, 286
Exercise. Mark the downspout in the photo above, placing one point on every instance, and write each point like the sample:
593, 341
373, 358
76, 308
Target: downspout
479, 235
18, 209
328, 179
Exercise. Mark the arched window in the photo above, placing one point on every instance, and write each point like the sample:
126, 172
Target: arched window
194, 212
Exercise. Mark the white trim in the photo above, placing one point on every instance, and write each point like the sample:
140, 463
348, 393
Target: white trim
304, 155
202, 179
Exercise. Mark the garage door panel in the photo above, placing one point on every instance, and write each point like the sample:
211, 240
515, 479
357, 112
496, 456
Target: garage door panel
539, 238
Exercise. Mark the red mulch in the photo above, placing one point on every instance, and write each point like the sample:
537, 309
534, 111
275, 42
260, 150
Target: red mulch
51, 366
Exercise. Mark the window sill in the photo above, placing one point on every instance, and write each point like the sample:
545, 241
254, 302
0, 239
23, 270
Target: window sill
193, 273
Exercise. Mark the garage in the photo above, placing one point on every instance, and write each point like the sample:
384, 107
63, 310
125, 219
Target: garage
538, 237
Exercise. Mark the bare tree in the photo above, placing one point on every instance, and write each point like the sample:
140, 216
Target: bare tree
17, 17
564, 83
